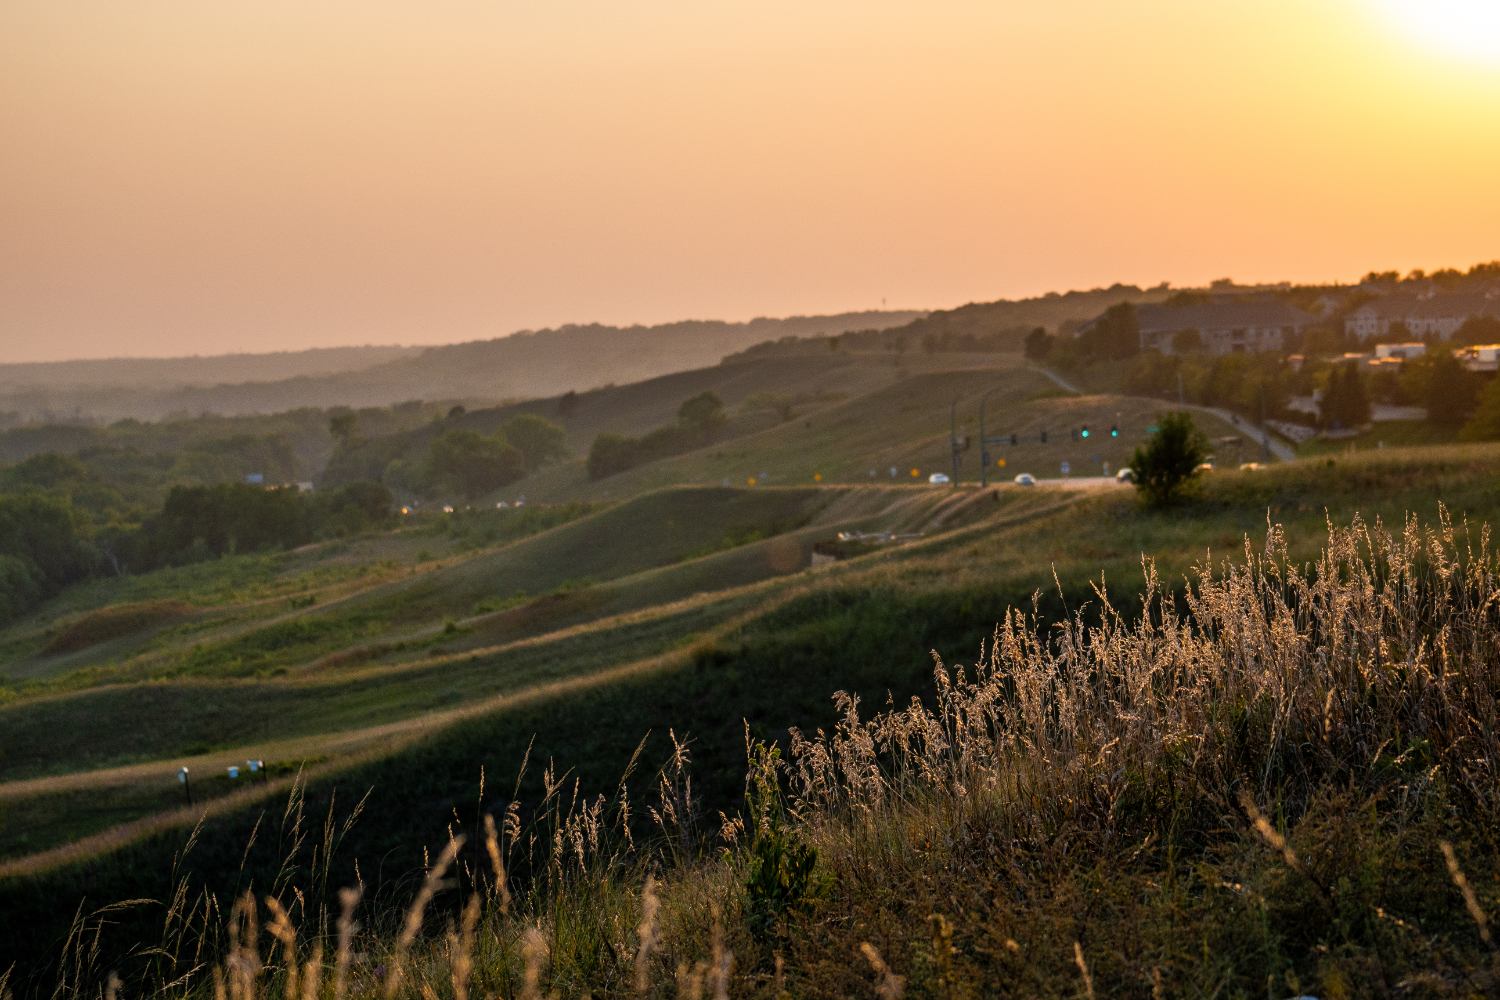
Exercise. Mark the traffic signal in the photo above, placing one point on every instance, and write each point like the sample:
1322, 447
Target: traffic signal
1015, 439
1073, 431
1114, 431
1084, 432
1044, 437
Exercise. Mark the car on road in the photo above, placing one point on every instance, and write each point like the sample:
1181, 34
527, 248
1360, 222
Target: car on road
1025, 479
1125, 476
1204, 467
939, 479
1250, 466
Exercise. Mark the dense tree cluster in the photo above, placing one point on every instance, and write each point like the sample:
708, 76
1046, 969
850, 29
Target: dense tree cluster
698, 420
41, 550
1250, 384
47, 541
206, 522
453, 456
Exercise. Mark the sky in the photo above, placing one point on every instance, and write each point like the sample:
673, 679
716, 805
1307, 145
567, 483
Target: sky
198, 178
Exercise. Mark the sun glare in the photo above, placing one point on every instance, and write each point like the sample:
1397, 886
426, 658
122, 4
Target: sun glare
1467, 28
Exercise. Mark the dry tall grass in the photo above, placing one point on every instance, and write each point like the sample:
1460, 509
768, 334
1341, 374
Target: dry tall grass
1248, 789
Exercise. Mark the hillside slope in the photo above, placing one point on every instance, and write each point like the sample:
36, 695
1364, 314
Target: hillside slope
523, 365
769, 654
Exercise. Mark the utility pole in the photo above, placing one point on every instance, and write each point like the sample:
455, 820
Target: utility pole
953, 439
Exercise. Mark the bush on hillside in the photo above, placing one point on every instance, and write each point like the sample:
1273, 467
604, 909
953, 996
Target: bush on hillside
1167, 462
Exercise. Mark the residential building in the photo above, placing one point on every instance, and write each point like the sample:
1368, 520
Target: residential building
1222, 327
1439, 314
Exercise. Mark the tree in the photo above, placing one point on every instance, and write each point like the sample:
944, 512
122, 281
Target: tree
1166, 463
1187, 342
473, 463
1114, 335
1484, 425
201, 522
343, 426
1038, 344
612, 453
352, 509
1451, 391
1324, 340
703, 413
41, 533
1478, 330
1345, 402
46, 471
539, 440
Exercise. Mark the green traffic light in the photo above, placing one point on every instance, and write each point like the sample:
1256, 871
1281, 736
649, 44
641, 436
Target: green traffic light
1114, 432
1084, 432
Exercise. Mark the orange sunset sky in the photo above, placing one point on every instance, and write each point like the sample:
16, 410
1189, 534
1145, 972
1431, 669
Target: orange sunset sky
207, 177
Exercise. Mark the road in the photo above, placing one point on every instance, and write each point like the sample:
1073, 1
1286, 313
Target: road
1264, 440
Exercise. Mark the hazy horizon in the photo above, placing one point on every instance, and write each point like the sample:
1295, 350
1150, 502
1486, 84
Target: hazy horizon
206, 180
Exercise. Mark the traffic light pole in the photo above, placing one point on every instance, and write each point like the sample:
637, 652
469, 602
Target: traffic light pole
984, 441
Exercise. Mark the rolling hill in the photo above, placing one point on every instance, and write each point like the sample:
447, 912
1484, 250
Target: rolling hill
523, 365
701, 643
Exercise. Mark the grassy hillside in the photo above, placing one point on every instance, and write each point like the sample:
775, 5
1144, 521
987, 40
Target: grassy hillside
906, 425
669, 570
768, 651
812, 383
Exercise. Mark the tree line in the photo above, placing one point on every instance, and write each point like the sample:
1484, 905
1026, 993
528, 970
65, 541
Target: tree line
447, 459
48, 542
699, 420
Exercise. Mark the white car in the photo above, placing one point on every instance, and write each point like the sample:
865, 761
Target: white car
1025, 479
939, 479
1204, 467
1125, 476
